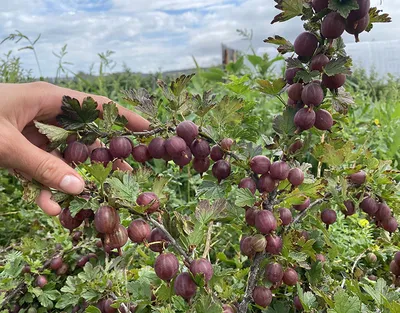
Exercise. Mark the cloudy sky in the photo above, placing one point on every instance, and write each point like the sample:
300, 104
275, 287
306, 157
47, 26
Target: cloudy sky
151, 35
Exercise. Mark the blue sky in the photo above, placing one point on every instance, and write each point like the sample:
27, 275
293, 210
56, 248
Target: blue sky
150, 35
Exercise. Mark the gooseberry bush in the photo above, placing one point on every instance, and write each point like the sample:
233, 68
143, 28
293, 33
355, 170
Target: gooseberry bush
215, 216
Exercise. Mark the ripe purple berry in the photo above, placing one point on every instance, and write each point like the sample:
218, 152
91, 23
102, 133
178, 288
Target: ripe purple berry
166, 266
188, 131
62, 270
248, 183
290, 74
101, 155
294, 91
383, 213
350, 208
333, 82
106, 220
363, 9
148, 199
250, 216
41, 281
328, 216
318, 62
333, 25
184, 286
200, 148
156, 148
184, 158
290, 277
76, 152
274, 244
274, 272
312, 94
157, 235
395, 268
358, 178
201, 165
141, 153
67, 221
175, 146
120, 147
216, 153
296, 176
56, 263
286, 216
304, 119
265, 222
258, 243
297, 303
226, 143
390, 225
266, 183
246, 246
118, 238
279, 170
262, 296
138, 230
306, 44
221, 170
203, 267
260, 164
369, 206
319, 5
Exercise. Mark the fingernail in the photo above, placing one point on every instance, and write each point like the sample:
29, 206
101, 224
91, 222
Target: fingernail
72, 184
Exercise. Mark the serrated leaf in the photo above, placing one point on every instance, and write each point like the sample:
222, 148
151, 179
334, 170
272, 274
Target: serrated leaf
56, 135
345, 304
284, 45
74, 116
306, 76
142, 101
338, 66
98, 171
202, 105
110, 114
59, 196
271, 88
180, 83
293, 63
125, 191
284, 124
244, 197
376, 16
205, 212
80, 204
228, 110
164, 292
343, 7
45, 301
206, 304
211, 190
31, 190
290, 8
67, 300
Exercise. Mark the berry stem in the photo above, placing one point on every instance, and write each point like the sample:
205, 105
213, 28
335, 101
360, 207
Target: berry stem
172, 240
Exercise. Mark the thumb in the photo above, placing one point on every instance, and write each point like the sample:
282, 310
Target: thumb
43, 166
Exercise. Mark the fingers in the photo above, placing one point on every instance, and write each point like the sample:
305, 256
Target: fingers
49, 206
44, 167
50, 103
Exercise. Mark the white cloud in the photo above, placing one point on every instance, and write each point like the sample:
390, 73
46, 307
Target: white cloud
149, 35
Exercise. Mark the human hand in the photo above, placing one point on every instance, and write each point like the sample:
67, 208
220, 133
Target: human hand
22, 146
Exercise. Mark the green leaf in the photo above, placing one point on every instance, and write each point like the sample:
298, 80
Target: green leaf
142, 101
228, 110
79, 204
76, 117
140, 289
284, 124
294, 63
211, 190
342, 101
345, 304
290, 8
376, 16
343, 7
45, 301
244, 197
206, 304
179, 84
92, 309
306, 76
284, 45
180, 304
56, 135
205, 212
31, 190
98, 171
271, 88
202, 105
164, 292
338, 66
123, 192
110, 114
